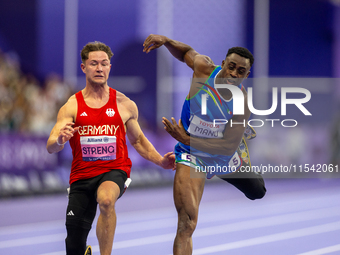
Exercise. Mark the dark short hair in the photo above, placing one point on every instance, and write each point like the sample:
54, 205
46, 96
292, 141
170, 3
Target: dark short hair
94, 46
243, 52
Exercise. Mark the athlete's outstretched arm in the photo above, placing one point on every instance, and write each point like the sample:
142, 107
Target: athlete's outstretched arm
142, 145
63, 129
179, 50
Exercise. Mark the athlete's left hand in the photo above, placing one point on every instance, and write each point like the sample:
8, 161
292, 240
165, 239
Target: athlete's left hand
153, 42
177, 131
168, 161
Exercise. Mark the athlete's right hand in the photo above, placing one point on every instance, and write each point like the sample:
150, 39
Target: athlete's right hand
168, 161
176, 130
66, 132
153, 42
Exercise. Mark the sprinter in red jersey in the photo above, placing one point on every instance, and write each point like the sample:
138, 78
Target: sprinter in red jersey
95, 121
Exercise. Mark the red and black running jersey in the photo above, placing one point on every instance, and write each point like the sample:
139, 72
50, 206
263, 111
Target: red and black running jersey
100, 144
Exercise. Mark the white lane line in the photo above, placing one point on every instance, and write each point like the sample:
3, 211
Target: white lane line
130, 243
168, 214
270, 238
209, 209
56, 253
167, 221
268, 221
143, 241
311, 198
29, 227
208, 231
321, 251
169, 237
32, 240
220, 216
238, 226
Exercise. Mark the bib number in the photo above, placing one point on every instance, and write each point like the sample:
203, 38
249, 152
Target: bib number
235, 162
188, 157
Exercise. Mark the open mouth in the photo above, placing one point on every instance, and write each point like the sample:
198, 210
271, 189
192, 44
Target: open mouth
230, 81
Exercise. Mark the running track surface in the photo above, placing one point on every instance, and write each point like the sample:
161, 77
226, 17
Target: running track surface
299, 216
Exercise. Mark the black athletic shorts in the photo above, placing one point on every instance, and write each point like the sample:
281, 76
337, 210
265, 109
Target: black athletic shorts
82, 203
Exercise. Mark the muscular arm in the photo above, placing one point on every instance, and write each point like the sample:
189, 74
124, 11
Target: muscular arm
179, 50
63, 129
142, 145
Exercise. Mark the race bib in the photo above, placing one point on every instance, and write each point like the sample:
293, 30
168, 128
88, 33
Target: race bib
188, 157
205, 129
98, 147
235, 162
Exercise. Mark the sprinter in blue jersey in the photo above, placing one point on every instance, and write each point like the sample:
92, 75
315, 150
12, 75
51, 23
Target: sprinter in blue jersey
205, 144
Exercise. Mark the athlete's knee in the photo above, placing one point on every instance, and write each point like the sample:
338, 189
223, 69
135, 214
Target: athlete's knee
107, 194
106, 205
186, 223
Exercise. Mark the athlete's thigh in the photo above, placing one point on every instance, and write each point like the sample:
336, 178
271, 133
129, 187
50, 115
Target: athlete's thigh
111, 185
188, 189
82, 204
108, 190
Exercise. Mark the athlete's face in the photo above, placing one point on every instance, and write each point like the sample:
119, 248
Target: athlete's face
97, 68
234, 69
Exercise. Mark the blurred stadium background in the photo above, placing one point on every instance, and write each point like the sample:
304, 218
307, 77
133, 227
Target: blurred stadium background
40, 42
295, 43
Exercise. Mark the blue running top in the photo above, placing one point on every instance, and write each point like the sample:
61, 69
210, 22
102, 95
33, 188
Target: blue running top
202, 125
